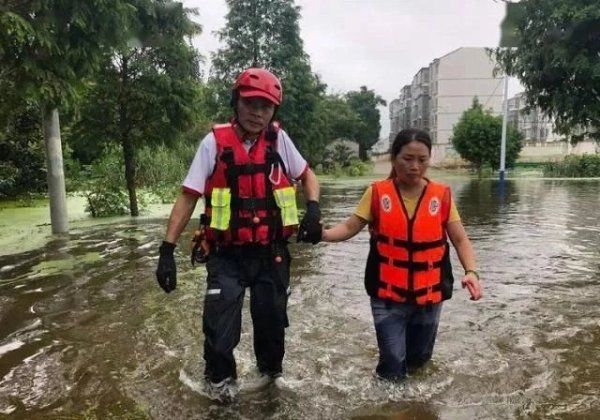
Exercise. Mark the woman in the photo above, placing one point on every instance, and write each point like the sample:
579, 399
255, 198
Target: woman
408, 272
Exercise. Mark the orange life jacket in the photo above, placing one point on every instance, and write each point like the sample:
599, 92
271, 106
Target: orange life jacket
252, 177
407, 254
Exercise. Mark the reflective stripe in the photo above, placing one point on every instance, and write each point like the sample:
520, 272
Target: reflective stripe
220, 202
286, 201
213, 291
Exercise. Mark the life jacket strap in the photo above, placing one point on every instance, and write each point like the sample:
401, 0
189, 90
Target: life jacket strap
241, 222
411, 295
414, 265
411, 246
250, 204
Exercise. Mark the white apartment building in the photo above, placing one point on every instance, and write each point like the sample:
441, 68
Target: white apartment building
441, 92
536, 127
457, 78
395, 120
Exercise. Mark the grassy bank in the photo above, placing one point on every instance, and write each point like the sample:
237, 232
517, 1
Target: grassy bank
24, 228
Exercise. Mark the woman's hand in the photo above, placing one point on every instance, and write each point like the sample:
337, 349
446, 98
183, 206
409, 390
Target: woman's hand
344, 230
473, 285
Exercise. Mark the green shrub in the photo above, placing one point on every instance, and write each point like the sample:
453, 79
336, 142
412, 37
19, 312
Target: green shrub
162, 169
105, 188
574, 166
354, 167
22, 157
8, 178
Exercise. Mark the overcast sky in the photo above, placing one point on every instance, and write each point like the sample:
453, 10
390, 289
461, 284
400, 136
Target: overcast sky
377, 43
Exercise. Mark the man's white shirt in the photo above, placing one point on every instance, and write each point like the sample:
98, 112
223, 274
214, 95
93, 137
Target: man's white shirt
205, 160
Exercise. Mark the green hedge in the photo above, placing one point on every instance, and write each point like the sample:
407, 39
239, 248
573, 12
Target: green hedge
574, 166
355, 167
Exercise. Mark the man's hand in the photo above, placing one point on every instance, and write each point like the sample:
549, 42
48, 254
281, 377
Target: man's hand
311, 228
166, 273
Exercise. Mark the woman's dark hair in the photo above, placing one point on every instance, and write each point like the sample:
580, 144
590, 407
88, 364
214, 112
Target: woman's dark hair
406, 136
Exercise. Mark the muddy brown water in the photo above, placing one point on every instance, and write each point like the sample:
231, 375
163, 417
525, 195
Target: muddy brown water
85, 332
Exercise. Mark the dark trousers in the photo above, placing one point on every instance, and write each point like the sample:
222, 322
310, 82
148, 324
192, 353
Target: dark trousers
229, 274
405, 336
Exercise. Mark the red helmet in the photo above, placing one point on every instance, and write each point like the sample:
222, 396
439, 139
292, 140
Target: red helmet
259, 82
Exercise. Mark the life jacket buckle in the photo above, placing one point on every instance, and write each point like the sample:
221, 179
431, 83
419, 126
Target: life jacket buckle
273, 166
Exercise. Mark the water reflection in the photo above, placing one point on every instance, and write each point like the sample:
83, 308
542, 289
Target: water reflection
86, 333
404, 411
486, 202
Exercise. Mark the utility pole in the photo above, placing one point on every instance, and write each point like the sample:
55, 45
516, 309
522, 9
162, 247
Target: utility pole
504, 123
55, 175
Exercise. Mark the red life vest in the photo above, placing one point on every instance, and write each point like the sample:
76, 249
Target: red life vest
251, 176
407, 255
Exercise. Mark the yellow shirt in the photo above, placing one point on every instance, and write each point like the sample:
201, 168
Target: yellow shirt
363, 210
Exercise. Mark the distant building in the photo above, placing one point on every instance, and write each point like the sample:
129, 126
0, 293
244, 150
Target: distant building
405, 106
536, 127
441, 92
456, 78
400, 112
395, 120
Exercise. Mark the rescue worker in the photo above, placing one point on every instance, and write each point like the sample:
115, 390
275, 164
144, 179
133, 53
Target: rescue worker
245, 171
408, 272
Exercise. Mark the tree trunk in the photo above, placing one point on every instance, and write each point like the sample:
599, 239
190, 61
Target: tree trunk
129, 156
126, 142
362, 153
55, 172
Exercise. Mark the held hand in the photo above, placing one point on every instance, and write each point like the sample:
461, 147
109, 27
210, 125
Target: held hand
473, 285
311, 227
166, 273
200, 248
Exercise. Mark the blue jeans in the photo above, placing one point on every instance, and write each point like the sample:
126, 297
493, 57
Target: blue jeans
405, 336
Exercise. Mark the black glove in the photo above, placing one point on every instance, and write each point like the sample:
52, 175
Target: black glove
166, 273
310, 229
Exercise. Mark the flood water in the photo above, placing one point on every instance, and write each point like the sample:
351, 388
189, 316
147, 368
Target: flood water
85, 332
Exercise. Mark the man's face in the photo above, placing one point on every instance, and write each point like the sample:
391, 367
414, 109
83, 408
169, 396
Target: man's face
254, 113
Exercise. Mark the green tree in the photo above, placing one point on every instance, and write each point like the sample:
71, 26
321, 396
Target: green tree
147, 91
364, 102
557, 59
338, 117
476, 138
265, 33
334, 119
22, 164
46, 49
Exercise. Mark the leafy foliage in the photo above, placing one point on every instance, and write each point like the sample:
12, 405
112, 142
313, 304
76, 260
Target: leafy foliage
334, 119
22, 162
265, 33
161, 169
146, 92
364, 102
477, 135
104, 188
574, 166
47, 47
354, 167
557, 59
